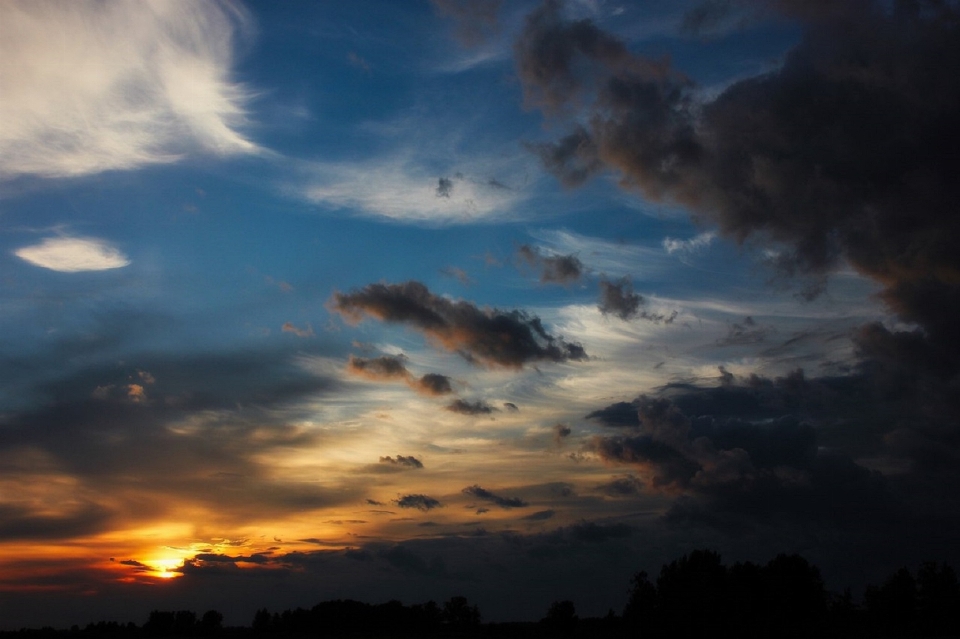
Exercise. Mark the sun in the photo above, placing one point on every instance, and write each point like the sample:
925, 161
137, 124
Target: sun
164, 568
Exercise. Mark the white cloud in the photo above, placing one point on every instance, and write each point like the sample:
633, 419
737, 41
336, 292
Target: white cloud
401, 188
93, 86
605, 256
73, 255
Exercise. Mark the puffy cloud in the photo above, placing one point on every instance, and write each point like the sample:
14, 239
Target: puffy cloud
89, 87
485, 336
73, 255
484, 494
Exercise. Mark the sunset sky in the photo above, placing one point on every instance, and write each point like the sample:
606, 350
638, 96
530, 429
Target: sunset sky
510, 300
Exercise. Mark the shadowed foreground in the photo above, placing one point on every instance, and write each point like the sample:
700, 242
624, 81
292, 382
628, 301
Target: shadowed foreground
696, 595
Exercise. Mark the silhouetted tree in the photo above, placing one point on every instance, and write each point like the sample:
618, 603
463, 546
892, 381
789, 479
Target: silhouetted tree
210, 623
640, 611
561, 618
938, 600
458, 612
692, 594
893, 606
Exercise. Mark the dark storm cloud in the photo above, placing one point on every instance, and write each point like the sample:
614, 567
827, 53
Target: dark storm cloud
401, 460
745, 451
464, 407
475, 20
23, 522
420, 502
554, 269
625, 486
484, 336
845, 152
486, 495
619, 415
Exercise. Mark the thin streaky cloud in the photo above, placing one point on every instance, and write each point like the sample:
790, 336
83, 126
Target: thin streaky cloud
90, 87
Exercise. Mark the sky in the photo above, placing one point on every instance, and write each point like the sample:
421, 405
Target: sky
507, 300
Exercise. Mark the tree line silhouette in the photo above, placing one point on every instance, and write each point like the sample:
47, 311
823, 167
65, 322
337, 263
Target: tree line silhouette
695, 595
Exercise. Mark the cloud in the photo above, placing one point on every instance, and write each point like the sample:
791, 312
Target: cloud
696, 243
489, 337
434, 384
289, 327
540, 515
420, 502
625, 486
864, 152
401, 460
619, 415
464, 407
554, 269
89, 87
393, 367
560, 432
378, 368
73, 255
619, 299
486, 495
402, 188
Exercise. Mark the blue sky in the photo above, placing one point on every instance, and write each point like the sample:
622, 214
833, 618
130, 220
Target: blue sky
654, 276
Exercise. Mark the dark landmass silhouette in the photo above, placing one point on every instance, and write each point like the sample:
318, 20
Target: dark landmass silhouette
693, 596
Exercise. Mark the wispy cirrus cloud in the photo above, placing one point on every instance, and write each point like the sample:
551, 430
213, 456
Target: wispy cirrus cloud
73, 254
404, 189
90, 87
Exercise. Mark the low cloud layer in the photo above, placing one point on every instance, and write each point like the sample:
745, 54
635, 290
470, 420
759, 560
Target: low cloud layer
488, 337
393, 368
486, 495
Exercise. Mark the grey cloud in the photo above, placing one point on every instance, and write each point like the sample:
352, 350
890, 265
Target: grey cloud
560, 432
445, 187
401, 460
486, 495
554, 269
540, 515
485, 336
625, 486
434, 384
618, 298
418, 501
464, 407
393, 367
